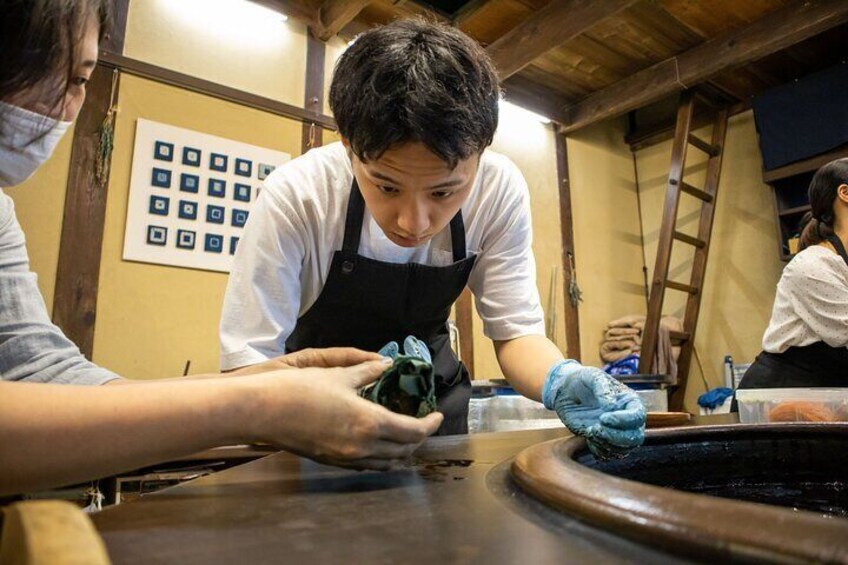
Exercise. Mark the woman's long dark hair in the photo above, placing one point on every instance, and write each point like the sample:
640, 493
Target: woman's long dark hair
817, 225
39, 41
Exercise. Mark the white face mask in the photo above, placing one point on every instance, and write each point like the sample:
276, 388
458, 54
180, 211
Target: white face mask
27, 140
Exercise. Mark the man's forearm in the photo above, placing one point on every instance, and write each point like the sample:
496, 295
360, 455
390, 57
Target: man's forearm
53, 434
525, 361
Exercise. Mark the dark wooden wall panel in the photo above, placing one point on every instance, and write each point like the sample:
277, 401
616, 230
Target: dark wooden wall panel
313, 133
572, 320
78, 273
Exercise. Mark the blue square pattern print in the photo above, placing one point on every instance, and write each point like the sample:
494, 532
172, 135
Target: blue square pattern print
163, 151
185, 239
191, 156
239, 218
157, 235
217, 188
242, 192
161, 178
189, 183
188, 210
264, 171
159, 205
215, 214
214, 243
233, 244
218, 162
244, 168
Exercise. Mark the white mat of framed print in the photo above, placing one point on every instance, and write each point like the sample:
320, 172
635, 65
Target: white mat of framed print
190, 196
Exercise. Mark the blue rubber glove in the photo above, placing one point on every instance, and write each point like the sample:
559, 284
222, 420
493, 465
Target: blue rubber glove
412, 347
594, 405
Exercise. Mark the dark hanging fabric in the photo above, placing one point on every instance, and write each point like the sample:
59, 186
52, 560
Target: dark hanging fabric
803, 118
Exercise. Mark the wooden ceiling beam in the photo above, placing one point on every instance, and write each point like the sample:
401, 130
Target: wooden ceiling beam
532, 96
467, 12
774, 32
290, 8
334, 15
553, 25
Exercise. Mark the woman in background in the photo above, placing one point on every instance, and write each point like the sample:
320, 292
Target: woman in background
806, 342
53, 430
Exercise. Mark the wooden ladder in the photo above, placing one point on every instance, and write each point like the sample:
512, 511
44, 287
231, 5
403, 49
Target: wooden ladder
683, 138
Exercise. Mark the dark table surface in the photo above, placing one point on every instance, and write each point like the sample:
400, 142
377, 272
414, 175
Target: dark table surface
454, 504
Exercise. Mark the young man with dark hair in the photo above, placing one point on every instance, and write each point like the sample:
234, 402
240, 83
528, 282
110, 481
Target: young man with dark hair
364, 242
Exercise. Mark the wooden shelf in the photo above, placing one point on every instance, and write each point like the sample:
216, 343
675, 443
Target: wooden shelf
795, 210
804, 166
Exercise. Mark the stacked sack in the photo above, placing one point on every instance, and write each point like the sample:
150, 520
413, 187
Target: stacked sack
622, 338
622, 344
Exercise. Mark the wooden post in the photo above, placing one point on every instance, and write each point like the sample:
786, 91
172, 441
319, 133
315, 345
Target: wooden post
113, 42
313, 133
77, 276
465, 326
572, 321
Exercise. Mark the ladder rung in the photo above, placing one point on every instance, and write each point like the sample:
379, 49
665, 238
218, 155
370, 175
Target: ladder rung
707, 148
690, 240
696, 192
681, 287
679, 337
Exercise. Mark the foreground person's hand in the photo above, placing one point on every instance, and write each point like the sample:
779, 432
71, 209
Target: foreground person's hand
593, 404
317, 413
313, 357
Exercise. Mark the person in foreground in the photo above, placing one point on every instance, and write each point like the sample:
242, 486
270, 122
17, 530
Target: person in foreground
364, 242
57, 425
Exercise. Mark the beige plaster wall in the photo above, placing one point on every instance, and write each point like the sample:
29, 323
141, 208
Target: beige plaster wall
151, 319
530, 144
743, 267
606, 231
248, 47
40, 207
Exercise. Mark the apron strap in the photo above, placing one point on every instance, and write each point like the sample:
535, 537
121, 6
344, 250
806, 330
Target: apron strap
353, 221
837, 244
457, 227
356, 211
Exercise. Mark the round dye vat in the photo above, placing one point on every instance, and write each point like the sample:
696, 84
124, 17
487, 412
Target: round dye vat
775, 492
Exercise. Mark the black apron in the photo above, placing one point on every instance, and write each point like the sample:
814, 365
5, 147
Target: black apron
367, 303
815, 365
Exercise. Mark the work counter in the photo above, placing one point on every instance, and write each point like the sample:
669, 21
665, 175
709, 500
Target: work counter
454, 503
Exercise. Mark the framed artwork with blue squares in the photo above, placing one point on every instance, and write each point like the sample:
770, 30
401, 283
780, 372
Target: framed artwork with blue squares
216, 182
218, 162
160, 178
159, 205
217, 188
191, 156
214, 214
214, 243
264, 171
241, 192
163, 151
239, 218
157, 235
185, 239
188, 210
244, 167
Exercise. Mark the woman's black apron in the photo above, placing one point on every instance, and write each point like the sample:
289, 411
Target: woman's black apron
367, 303
815, 365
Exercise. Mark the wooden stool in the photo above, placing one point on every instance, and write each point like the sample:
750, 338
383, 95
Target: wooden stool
50, 532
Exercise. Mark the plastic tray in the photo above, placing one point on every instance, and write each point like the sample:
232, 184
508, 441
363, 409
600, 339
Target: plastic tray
764, 405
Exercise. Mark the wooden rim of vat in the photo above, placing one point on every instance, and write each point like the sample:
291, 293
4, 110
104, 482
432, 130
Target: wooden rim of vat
683, 522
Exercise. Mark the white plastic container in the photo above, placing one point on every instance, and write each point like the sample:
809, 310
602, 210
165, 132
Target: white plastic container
765, 405
655, 399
